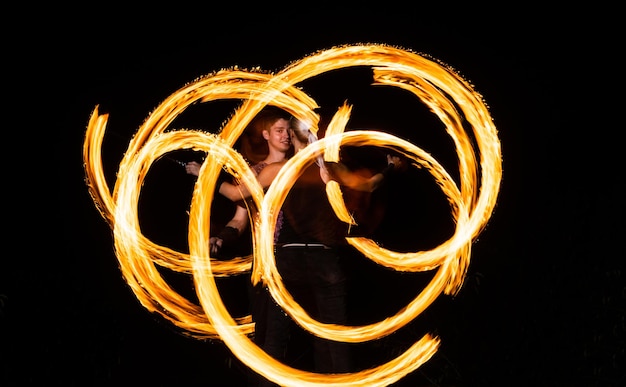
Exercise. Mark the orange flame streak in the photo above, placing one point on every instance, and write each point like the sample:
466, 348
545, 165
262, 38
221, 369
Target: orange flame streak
335, 196
471, 203
132, 248
135, 257
470, 211
105, 204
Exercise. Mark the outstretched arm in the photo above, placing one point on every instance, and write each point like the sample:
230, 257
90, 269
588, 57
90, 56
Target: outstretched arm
237, 192
341, 174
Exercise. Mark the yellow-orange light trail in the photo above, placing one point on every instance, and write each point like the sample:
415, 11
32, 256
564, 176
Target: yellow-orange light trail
333, 191
471, 202
138, 254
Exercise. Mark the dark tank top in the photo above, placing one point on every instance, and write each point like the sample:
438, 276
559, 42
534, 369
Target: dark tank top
307, 214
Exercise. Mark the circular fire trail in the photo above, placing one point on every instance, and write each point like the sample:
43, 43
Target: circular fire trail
447, 95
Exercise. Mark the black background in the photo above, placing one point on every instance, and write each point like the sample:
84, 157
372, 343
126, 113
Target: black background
543, 302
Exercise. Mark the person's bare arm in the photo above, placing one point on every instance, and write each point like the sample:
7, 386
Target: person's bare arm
237, 192
359, 182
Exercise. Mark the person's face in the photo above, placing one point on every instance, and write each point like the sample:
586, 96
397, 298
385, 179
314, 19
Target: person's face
278, 136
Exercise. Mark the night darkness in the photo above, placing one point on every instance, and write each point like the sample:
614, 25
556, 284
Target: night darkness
543, 301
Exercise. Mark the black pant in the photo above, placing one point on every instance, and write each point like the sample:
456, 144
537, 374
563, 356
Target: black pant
316, 274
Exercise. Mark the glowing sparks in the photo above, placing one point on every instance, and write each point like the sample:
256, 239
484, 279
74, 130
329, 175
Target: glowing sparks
471, 201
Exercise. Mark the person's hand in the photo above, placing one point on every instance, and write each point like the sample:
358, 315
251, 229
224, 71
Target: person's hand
324, 174
215, 244
225, 239
193, 168
395, 160
329, 170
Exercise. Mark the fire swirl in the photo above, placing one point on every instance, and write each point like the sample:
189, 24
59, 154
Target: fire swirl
450, 97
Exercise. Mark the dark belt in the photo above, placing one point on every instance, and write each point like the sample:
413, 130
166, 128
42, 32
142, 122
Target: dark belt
305, 246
